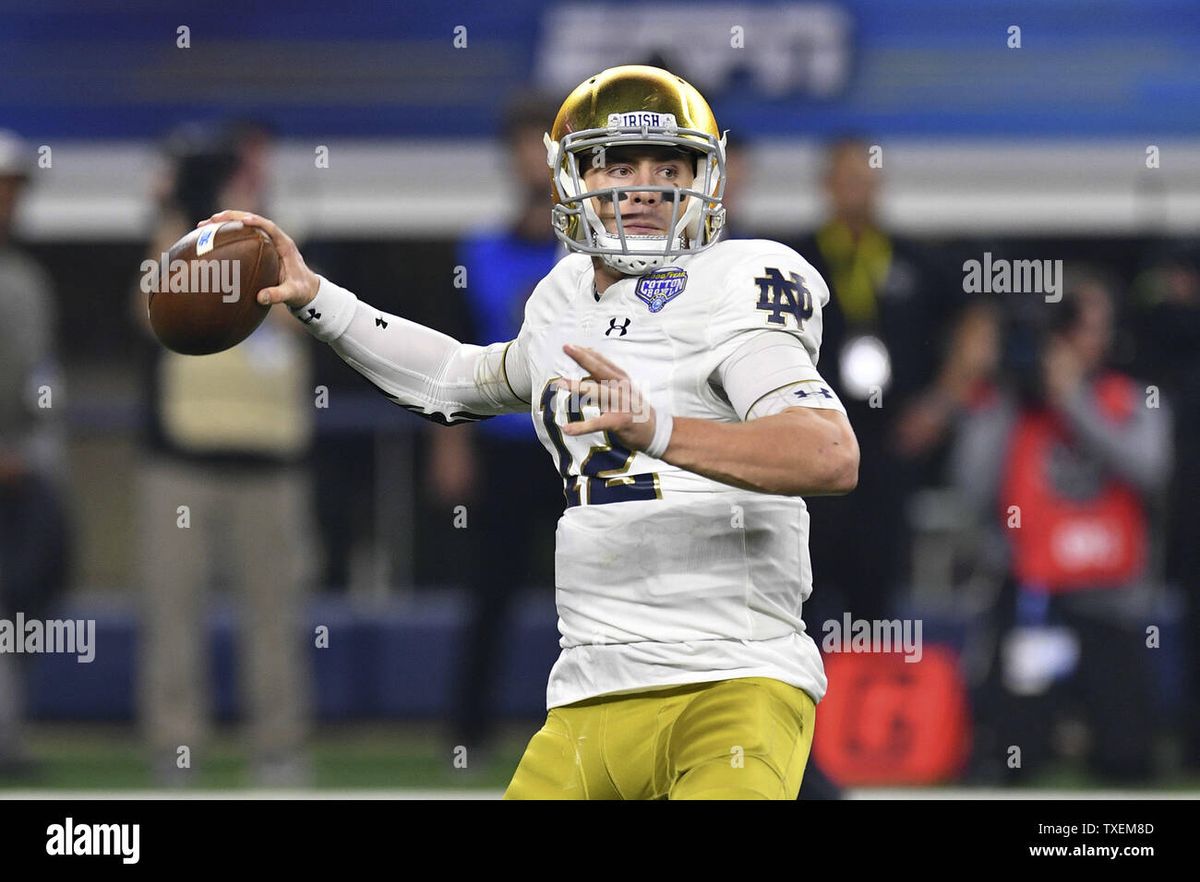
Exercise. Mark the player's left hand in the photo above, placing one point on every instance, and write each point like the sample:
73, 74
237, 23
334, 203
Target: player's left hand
623, 411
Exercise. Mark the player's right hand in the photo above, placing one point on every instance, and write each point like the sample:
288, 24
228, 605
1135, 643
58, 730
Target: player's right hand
297, 283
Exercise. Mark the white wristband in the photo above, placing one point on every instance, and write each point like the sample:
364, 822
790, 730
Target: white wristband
663, 424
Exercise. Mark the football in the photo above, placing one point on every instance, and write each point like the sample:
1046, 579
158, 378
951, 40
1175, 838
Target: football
203, 292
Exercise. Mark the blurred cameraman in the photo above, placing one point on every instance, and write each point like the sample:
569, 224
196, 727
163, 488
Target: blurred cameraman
898, 338
227, 435
1063, 464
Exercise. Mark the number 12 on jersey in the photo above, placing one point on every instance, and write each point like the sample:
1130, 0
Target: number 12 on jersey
593, 474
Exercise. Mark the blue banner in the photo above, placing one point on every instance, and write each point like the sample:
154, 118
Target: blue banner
1025, 68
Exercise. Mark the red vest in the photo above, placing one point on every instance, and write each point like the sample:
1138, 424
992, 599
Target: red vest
1065, 544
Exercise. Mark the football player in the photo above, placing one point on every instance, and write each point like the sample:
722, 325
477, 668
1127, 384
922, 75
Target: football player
672, 379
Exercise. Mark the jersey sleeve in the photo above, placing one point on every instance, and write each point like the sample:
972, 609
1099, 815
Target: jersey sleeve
515, 369
418, 368
771, 372
765, 335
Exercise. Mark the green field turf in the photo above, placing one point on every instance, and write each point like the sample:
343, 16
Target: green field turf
390, 758
386, 757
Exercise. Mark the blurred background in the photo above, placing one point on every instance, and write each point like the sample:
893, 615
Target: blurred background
354, 598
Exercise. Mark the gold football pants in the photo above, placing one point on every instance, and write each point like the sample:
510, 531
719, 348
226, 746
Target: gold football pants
746, 738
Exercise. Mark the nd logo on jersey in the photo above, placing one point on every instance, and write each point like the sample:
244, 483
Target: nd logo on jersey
658, 288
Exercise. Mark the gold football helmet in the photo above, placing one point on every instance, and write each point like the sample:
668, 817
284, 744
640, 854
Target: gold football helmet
636, 104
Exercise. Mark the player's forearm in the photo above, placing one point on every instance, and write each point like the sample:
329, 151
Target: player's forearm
785, 453
417, 367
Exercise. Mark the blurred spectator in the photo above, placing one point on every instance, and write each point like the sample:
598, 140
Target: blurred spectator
1062, 466
34, 536
227, 435
1168, 327
890, 308
499, 463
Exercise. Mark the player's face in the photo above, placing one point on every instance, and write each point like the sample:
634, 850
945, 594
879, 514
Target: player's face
645, 213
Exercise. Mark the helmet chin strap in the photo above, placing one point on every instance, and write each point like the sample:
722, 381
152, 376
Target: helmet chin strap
630, 264
633, 264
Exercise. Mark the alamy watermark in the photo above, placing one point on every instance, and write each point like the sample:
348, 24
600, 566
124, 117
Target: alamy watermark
1000, 276
20, 635
193, 277
70, 839
873, 636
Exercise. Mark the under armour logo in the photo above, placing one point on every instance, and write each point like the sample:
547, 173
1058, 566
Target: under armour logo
800, 393
312, 314
380, 323
778, 296
613, 326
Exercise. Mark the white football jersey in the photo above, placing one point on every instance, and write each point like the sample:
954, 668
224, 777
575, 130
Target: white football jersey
666, 577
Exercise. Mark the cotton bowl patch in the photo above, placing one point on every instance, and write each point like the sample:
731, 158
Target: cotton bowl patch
658, 288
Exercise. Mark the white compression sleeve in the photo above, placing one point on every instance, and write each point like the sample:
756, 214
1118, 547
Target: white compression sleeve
421, 369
